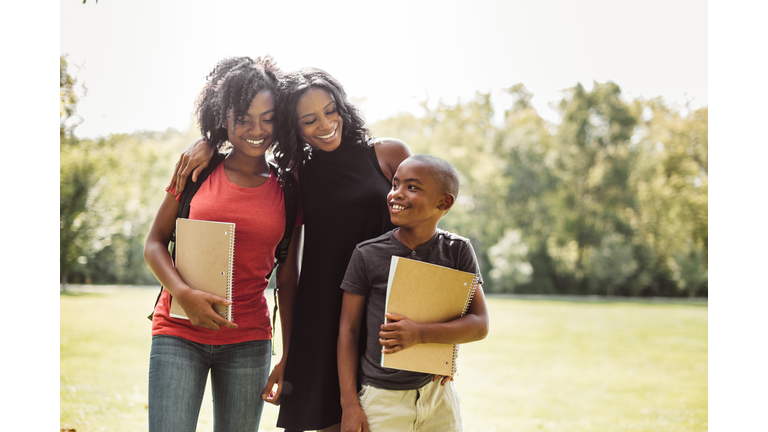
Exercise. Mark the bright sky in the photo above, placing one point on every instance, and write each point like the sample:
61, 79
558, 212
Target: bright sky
145, 61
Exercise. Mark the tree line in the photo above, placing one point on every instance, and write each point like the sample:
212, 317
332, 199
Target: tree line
610, 201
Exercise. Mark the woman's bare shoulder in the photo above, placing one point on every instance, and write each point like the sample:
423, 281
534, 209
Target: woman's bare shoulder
390, 152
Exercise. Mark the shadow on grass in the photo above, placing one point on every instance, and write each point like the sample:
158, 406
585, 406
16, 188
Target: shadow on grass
81, 290
101, 290
75, 294
68, 293
593, 299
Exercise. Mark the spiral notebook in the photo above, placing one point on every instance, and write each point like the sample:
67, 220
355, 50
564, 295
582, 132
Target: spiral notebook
427, 293
204, 258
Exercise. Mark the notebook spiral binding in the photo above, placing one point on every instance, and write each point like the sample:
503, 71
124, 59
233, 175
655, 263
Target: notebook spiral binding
454, 359
470, 295
230, 308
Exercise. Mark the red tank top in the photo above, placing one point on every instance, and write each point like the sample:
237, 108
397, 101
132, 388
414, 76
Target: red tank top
259, 217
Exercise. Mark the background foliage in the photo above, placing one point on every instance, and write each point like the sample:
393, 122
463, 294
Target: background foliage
610, 201
110, 189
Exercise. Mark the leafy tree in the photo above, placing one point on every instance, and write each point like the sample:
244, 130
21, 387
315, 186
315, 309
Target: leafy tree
610, 201
67, 99
671, 217
612, 263
509, 258
594, 167
137, 169
524, 155
689, 269
110, 189
77, 176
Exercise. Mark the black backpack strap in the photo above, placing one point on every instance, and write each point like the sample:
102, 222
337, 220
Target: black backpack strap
185, 201
184, 204
192, 187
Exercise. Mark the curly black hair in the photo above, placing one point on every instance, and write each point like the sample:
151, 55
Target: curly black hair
232, 85
290, 149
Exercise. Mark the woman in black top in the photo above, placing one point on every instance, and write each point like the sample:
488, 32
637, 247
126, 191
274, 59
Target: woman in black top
344, 177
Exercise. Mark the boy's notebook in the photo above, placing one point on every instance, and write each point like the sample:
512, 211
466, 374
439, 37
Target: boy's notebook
204, 257
427, 293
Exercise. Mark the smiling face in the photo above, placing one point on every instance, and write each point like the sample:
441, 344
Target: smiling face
319, 125
252, 136
416, 199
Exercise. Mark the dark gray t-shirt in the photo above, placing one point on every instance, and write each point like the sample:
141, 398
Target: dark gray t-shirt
367, 275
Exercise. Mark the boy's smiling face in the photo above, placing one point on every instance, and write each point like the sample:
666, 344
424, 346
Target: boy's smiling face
415, 198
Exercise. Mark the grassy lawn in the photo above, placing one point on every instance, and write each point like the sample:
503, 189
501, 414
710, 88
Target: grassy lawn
549, 365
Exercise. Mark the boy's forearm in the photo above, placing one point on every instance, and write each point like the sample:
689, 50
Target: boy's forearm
400, 332
469, 328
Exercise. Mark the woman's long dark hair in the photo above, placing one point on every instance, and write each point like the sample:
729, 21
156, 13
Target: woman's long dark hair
290, 150
232, 85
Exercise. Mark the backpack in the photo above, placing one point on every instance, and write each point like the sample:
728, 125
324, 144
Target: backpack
290, 193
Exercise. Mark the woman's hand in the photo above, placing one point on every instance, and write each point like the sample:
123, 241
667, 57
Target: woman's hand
198, 305
276, 377
398, 334
193, 161
353, 420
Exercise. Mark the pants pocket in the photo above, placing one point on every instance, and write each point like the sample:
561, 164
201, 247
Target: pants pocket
365, 395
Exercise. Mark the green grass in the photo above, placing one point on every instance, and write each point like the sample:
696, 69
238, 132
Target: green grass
549, 365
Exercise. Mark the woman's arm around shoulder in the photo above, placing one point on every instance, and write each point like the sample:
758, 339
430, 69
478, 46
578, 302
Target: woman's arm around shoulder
193, 161
390, 152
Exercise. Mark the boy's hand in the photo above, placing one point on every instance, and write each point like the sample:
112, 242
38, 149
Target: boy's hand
444, 379
353, 420
398, 334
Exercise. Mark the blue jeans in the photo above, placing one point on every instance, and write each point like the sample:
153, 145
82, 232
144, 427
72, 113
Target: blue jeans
178, 371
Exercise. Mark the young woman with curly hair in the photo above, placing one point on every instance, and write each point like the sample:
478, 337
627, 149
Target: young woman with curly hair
236, 106
344, 177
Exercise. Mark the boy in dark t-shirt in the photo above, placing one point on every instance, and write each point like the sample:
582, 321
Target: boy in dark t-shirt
424, 189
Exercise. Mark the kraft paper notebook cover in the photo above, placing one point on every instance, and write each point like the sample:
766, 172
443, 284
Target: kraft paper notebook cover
427, 293
204, 257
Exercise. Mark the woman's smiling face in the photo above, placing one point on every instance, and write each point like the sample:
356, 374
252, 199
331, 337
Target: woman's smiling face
320, 124
252, 136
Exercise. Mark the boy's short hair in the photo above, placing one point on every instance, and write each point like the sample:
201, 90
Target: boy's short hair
444, 173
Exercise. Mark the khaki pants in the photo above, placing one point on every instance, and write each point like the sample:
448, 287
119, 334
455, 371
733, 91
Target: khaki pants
431, 408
